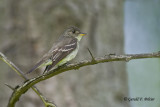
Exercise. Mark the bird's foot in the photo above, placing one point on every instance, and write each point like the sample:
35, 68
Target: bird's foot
64, 65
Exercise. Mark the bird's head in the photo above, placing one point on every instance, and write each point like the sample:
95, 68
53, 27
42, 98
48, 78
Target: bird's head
74, 32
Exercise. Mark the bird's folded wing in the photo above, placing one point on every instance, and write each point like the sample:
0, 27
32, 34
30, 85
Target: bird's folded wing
59, 51
62, 53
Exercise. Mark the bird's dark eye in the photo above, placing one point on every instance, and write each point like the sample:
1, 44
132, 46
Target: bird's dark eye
73, 31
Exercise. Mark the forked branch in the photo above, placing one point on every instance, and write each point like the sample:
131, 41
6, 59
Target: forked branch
108, 58
21, 74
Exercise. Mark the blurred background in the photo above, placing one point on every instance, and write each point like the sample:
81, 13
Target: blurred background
28, 28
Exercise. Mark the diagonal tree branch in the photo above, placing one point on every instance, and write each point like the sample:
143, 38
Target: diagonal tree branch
109, 58
21, 74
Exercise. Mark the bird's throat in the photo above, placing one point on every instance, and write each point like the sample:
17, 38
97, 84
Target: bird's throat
79, 38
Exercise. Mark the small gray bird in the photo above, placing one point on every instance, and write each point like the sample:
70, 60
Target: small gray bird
64, 50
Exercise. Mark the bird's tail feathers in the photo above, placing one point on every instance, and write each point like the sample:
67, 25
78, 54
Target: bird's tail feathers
35, 67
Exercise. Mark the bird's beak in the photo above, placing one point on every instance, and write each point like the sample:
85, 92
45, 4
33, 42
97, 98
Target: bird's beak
83, 34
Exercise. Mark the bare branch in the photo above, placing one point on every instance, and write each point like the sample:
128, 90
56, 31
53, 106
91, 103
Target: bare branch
9, 86
109, 58
14, 67
21, 74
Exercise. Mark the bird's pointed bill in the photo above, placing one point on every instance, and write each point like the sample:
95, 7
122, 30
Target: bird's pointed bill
82, 34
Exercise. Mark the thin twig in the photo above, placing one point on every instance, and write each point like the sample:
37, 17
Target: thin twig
91, 54
109, 58
21, 74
